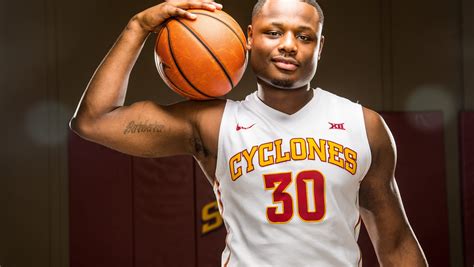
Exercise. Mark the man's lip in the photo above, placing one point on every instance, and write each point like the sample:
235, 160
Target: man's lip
286, 60
284, 63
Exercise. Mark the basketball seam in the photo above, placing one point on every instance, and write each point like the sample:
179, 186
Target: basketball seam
173, 85
177, 88
210, 52
228, 26
162, 69
180, 70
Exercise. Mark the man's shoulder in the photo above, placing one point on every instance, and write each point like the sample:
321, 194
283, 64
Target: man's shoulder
200, 113
334, 97
204, 106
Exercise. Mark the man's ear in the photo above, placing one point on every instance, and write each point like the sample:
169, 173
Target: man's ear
321, 47
249, 37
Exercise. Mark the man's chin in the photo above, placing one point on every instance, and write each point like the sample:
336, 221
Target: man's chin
283, 84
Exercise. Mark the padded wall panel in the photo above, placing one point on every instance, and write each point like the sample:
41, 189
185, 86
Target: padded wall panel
100, 206
210, 229
421, 179
164, 212
467, 172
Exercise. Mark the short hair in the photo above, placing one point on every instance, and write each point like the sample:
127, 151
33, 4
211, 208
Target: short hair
258, 7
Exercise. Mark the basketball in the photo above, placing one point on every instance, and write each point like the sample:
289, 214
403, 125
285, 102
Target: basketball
203, 58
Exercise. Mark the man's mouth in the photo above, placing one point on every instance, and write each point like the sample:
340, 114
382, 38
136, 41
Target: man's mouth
285, 63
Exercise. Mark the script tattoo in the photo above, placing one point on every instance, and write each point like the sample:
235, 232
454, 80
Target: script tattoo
143, 127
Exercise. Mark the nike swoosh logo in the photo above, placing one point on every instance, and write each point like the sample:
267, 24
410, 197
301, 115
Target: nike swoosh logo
238, 127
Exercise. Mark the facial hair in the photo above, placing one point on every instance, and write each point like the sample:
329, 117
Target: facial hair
282, 83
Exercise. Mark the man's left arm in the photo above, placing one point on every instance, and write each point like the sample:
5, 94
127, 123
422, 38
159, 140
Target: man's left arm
380, 203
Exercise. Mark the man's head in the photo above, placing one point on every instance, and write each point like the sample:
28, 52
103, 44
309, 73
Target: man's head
258, 7
285, 40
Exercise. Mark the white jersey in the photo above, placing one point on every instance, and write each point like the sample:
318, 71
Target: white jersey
287, 185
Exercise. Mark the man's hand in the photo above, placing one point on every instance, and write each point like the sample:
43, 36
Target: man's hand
151, 18
102, 117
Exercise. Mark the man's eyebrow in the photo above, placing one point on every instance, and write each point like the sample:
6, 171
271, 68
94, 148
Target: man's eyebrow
301, 28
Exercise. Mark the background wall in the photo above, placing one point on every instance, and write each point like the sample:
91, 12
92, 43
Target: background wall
389, 55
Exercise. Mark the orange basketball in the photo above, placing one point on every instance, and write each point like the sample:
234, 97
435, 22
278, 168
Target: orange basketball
203, 58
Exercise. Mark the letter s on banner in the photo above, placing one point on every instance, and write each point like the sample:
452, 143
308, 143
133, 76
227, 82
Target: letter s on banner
210, 217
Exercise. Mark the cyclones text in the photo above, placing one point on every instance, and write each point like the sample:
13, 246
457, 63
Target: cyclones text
300, 149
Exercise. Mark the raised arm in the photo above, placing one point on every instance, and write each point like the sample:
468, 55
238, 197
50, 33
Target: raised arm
144, 128
381, 205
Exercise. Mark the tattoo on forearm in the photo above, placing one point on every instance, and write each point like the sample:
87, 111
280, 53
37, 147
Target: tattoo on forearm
143, 127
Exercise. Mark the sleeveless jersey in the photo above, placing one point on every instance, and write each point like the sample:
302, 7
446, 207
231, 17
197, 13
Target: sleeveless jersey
287, 185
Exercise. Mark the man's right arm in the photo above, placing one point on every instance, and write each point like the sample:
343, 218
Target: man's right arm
143, 128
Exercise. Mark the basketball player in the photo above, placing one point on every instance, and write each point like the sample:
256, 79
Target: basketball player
294, 168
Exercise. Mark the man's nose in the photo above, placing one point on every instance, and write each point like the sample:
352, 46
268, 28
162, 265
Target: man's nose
288, 44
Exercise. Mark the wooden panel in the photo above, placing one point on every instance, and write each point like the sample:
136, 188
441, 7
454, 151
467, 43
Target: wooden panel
351, 62
25, 212
468, 52
3, 115
426, 49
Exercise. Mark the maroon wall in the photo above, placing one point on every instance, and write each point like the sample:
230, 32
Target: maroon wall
101, 206
129, 211
210, 227
467, 182
163, 211
421, 179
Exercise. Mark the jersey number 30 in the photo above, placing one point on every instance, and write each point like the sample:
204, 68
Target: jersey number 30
311, 205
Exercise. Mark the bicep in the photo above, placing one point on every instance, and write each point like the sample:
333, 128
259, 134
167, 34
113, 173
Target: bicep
382, 211
143, 129
378, 188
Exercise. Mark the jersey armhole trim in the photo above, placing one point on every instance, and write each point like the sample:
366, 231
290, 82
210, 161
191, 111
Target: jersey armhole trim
365, 137
222, 129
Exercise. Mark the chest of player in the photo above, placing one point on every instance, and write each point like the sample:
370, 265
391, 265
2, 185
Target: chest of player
297, 158
266, 147
299, 169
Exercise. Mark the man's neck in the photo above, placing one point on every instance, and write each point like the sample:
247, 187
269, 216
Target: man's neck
288, 101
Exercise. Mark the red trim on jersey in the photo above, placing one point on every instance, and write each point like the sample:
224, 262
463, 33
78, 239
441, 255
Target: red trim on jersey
217, 185
219, 196
228, 258
359, 262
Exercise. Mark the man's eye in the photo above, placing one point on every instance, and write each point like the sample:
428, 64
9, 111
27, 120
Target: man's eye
304, 38
273, 33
